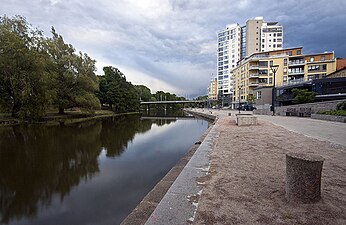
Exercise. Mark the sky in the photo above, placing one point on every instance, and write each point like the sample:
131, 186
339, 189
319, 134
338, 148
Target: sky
171, 45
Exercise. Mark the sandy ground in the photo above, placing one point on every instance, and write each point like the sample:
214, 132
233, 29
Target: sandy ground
246, 183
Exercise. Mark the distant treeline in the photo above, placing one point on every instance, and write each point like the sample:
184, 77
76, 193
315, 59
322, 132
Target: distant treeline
38, 73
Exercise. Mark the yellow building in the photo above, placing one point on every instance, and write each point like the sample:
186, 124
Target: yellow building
293, 67
212, 89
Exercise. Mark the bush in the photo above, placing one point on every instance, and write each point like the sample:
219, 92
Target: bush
334, 112
341, 106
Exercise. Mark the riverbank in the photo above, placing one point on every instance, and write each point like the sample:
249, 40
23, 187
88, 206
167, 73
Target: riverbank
70, 117
146, 207
245, 180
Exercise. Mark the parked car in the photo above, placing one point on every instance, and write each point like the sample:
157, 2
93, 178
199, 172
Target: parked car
247, 107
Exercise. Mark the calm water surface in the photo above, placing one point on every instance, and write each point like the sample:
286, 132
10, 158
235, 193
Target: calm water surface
91, 173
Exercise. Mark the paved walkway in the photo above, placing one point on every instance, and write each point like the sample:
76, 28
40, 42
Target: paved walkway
334, 132
237, 175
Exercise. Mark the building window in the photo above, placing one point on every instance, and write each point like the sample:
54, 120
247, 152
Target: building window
290, 53
299, 52
263, 72
285, 62
271, 63
262, 46
279, 45
323, 58
270, 80
312, 59
263, 63
259, 95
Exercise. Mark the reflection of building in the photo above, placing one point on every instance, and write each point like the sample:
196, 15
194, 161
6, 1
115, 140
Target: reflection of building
236, 42
212, 89
294, 67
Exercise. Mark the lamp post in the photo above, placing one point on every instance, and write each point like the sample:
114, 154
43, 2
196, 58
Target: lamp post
239, 88
274, 68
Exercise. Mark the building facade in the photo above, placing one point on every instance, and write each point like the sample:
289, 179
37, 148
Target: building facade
212, 89
293, 67
236, 42
229, 53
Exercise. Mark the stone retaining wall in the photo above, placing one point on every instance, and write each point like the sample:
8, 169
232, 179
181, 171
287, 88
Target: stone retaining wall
303, 110
329, 117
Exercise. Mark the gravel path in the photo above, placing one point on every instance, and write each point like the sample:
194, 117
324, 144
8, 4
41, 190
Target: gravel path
246, 183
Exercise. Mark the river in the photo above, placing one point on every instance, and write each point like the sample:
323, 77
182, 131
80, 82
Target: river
94, 172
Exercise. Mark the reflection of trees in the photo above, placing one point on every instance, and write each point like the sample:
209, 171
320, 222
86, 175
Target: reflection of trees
38, 161
115, 135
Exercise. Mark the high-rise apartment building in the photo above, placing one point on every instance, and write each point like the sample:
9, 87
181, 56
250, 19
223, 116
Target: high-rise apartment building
236, 42
229, 53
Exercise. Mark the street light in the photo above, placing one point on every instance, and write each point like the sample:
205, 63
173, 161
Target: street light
239, 88
274, 68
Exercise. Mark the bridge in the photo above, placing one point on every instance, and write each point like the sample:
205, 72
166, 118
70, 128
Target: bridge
174, 102
165, 103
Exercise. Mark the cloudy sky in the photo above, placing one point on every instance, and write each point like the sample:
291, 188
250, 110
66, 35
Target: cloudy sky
170, 45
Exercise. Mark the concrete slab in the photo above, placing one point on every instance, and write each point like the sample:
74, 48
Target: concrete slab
246, 120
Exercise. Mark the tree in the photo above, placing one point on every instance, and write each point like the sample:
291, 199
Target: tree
301, 96
144, 92
119, 94
73, 76
22, 69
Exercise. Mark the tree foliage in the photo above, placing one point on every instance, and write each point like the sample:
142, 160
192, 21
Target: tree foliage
115, 91
301, 96
73, 76
22, 69
143, 92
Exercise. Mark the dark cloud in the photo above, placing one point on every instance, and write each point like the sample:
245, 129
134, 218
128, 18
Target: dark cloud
171, 44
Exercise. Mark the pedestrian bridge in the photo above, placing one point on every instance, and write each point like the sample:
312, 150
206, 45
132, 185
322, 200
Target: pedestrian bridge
173, 102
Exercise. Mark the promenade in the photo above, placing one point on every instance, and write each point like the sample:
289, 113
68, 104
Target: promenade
237, 175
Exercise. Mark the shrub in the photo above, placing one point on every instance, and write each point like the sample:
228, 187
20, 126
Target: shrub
341, 106
334, 112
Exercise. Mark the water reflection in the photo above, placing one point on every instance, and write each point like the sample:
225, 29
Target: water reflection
46, 170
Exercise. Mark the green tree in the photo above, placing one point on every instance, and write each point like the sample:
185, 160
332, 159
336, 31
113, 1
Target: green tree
23, 71
144, 92
119, 94
73, 76
301, 96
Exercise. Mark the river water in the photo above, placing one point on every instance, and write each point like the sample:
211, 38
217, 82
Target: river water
95, 172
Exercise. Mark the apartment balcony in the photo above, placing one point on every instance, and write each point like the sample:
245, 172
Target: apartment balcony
301, 63
296, 72
254, 67
255, 75
253, 84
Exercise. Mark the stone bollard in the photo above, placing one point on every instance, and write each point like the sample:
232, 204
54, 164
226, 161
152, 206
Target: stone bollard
303, 177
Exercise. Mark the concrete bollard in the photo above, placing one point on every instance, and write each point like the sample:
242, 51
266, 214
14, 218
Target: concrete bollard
303, 177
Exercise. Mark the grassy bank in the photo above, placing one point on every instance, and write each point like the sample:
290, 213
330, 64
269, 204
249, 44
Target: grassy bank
55, 119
